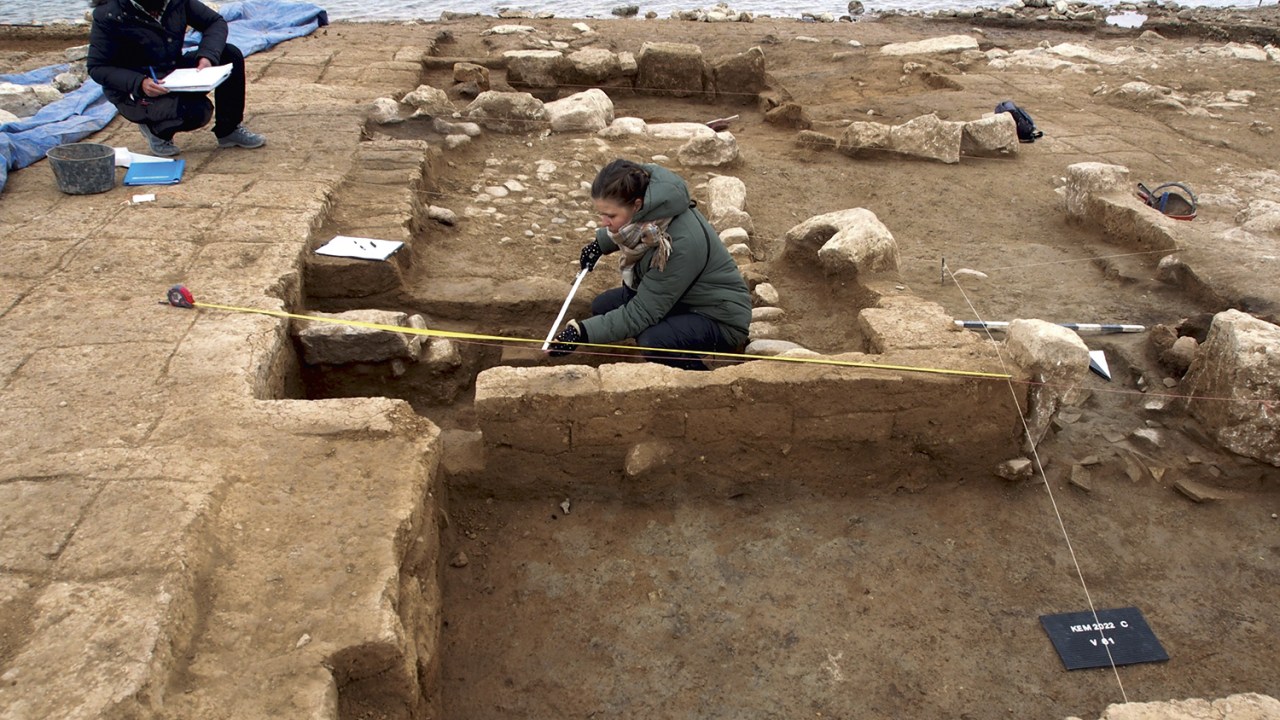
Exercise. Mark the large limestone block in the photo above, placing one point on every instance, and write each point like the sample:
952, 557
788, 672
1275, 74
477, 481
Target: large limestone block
945, 44
740, 78
592, 66
1239, 360
508, 112
990, 137
1054, 358
911, 324
1087, 180
928, 137
535, 68
429, 101
863, 244
99, 649
867, 243
725, 193
589, 111
334, 343
670, 69
864, 136
709, 151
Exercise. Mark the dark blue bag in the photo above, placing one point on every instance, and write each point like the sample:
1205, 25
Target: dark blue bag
1027, 131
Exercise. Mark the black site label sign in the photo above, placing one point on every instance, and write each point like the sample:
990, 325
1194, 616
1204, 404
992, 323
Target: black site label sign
1083, 642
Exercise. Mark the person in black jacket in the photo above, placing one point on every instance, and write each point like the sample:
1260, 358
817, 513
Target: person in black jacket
135, 43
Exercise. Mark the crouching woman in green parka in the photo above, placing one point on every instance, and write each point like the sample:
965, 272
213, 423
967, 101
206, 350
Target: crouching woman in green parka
681, 290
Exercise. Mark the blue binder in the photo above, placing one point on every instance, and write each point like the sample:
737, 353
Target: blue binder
155, 173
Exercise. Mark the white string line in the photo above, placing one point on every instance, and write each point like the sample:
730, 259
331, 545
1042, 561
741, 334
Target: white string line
1049, 489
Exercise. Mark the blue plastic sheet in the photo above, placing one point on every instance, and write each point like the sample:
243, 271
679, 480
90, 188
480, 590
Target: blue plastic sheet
253, 26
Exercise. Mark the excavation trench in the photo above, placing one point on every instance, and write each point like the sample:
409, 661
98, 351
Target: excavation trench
621, 540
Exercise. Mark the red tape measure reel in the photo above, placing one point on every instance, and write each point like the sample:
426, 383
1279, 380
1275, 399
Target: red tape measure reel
180, 296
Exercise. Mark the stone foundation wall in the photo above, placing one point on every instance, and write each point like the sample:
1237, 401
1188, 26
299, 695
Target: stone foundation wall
626, 427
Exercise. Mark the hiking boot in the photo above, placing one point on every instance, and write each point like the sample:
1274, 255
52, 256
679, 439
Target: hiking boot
242, 137
159, 146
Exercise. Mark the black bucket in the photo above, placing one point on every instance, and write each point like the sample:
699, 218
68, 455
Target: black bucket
83, 168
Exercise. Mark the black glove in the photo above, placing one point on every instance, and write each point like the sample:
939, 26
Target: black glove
590, 255
568, 339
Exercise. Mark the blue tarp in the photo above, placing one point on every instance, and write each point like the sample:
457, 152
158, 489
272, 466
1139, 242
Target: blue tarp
254, 26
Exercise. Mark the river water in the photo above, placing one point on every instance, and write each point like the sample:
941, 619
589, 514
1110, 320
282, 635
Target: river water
43, 11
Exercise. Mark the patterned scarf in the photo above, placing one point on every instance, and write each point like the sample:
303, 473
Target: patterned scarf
635, 240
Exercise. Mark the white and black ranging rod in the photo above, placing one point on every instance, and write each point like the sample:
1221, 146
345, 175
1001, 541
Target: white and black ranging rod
1078, 327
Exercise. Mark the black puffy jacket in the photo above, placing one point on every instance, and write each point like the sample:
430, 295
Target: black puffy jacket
126, 43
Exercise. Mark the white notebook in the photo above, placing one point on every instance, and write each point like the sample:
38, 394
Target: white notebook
193, 80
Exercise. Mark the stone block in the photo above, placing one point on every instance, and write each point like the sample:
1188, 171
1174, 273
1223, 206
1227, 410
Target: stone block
770, 348
139, 527
946, 44
337, 343
1247, 706
724, 193
675, 69
1238, 360
845, 241
1087, 180
916, 325
624, 127
385, 111
990, 137
860, 136
589, 111
811, 140
471, 73
717, 150
103, 649
928, 137
1054, 358
740, 78
508, 112
37, 520
535, 68
678, 130
591, 66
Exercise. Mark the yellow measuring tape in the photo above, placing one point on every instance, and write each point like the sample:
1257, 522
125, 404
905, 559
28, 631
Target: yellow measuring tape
630, 348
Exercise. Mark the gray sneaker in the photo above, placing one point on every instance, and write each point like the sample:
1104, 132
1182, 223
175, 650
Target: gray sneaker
242, 137
159, 146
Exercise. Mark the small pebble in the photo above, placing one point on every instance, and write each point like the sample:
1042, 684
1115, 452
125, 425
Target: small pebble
460, 560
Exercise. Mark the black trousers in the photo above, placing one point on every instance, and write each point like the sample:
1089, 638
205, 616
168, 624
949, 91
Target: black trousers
194, 110
679, 330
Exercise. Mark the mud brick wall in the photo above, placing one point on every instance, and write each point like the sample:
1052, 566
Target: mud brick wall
570, 428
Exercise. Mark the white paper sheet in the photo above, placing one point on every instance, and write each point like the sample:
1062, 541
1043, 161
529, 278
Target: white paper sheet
124, 158
362, 248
